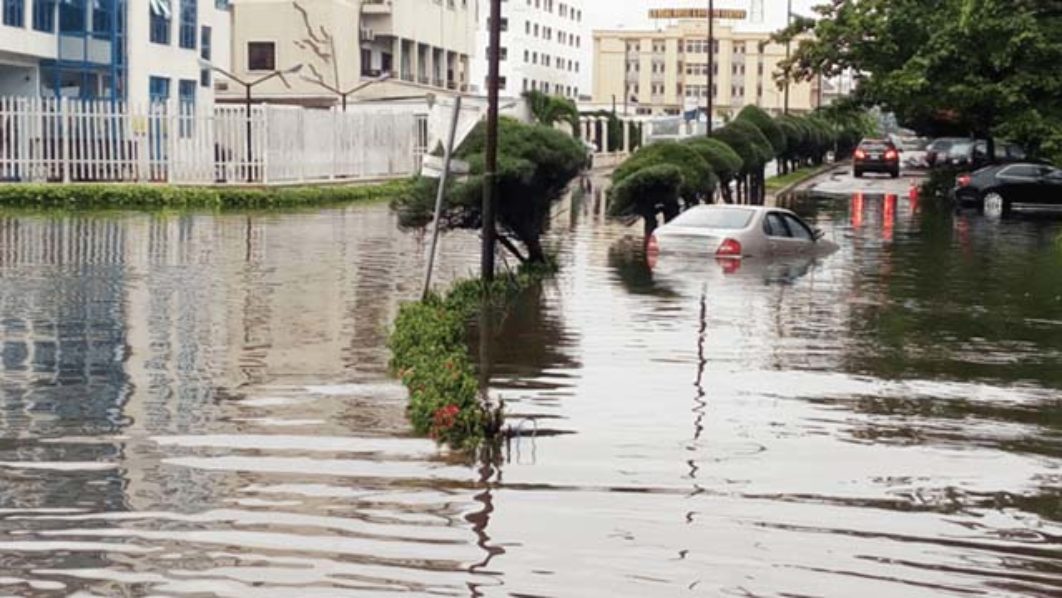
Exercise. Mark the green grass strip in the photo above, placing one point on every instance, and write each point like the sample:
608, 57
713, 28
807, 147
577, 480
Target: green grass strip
793, 178
154, 197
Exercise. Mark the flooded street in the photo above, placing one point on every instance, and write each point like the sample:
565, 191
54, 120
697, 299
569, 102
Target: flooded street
199, 405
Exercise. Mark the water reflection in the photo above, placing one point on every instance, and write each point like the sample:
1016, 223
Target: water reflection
199, 404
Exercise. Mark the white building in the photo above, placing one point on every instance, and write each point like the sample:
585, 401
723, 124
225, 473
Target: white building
425, 46
134, 50
545, 46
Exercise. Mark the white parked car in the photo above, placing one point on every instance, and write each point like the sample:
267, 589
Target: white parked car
736, 233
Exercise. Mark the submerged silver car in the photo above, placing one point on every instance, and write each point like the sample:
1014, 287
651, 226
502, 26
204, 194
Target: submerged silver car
737, 232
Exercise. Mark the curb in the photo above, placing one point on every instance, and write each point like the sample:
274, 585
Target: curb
823, 170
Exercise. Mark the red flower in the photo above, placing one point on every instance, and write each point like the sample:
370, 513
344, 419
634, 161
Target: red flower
446, 417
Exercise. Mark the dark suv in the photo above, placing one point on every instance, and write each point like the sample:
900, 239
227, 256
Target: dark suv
973, 154
876, 155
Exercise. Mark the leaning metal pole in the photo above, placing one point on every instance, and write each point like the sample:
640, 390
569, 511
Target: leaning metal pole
447, 157
490, 175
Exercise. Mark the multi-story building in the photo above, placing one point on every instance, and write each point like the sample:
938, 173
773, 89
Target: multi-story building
425, 44
543, 48
666, 71
135, 50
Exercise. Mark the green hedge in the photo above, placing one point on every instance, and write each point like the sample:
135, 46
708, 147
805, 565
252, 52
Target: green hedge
430, 355
140, 197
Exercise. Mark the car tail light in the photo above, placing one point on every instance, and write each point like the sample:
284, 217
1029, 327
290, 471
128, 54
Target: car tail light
891, 155
653, 246
963, 180
860, 154
729, 248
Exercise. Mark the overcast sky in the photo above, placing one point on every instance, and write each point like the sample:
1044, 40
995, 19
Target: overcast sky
634, 14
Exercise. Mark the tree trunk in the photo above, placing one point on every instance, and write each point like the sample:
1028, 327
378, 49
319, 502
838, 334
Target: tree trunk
728, 196
649, 222
535, 254
671, 212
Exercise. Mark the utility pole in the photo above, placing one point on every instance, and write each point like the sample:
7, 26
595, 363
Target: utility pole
490, 175
788, 48
711, 63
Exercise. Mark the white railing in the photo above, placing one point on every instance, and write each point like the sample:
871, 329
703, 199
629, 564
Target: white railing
53, 140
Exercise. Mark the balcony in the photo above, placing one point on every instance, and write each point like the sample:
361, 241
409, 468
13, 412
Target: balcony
376, 7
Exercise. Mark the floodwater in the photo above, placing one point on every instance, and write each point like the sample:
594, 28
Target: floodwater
199, 405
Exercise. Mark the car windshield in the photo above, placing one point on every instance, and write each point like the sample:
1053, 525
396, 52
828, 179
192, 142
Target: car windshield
725, 218
940, 145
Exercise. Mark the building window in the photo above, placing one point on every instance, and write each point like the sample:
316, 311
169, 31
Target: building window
160, 21
186, 97
44, 15
206, 52
72, 16
262, 56
189, 17
14, 13
159, 89
102, 19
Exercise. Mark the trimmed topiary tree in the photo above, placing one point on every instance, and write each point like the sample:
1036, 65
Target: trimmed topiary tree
770, 129
698, 179
536, 163
647, 192
754, 149
725, 162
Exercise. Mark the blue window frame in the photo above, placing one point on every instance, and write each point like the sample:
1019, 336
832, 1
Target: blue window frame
161, 15
159, 89
102, 17
72, 16
186, 97
189, 17
206, 51
15, 13
44, 15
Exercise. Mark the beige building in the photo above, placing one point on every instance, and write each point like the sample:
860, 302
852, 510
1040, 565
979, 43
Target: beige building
666, 71
424, 45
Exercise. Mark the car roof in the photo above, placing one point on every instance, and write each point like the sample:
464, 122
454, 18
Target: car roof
721, 206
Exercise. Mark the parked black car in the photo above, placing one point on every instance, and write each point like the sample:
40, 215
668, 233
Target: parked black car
996, 189
973, 154
876, 155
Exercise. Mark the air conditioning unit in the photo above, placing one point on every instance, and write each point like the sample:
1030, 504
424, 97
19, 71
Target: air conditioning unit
367, 35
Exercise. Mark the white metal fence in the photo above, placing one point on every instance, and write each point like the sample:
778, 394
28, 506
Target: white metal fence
53, 140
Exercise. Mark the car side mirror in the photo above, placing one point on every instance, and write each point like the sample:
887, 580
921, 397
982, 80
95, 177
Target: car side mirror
819, 234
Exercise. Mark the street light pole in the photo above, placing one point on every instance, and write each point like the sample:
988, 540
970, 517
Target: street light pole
343, 95
788, 47
711, 63
490, 184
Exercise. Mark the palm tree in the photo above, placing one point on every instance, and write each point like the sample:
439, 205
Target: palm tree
548, 110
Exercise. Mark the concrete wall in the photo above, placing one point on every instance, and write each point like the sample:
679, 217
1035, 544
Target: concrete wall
19, 81
324, 40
